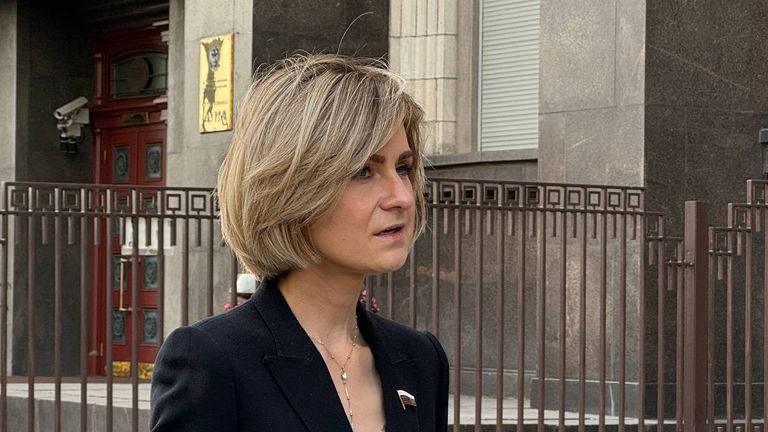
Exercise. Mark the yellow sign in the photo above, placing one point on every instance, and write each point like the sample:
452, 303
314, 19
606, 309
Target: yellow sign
216, 60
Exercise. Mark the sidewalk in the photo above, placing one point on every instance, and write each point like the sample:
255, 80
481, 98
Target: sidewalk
122, 401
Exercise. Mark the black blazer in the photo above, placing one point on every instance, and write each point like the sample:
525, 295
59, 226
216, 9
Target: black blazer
255, 369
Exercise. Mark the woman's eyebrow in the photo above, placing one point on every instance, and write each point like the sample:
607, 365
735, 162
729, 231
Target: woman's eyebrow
381, 159
406, 155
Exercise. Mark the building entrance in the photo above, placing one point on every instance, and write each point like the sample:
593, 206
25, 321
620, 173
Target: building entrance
129, 129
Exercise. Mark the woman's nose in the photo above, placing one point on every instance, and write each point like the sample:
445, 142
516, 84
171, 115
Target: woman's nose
398, 192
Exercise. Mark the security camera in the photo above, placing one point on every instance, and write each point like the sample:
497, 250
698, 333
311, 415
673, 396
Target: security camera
70, 107
71, 118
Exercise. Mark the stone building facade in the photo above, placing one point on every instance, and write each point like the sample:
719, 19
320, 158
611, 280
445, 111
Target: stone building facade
665, 95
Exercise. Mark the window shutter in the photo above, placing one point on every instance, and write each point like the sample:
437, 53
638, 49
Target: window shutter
509, 75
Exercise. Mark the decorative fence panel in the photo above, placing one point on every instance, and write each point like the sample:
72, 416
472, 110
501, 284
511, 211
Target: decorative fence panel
561, 306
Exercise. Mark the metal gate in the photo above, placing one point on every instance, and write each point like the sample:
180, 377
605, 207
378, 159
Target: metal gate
561, 306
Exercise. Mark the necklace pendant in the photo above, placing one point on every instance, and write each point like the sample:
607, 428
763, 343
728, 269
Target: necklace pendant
343, 375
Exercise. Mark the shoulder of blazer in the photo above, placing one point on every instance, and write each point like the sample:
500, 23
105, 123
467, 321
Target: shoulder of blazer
240, 326
413, 343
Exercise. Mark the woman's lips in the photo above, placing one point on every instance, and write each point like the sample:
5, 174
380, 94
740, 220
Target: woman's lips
394, 233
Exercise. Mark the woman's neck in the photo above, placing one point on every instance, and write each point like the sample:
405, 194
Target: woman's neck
323, 303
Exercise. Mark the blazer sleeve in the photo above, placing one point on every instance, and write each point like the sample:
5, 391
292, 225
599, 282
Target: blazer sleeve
192, 385
441, 404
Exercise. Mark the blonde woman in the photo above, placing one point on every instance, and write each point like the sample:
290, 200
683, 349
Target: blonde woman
321, 186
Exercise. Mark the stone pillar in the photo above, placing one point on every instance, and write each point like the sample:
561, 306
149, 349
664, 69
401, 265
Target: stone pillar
425, 42
591, 130
8, 66
706, 100
193, 157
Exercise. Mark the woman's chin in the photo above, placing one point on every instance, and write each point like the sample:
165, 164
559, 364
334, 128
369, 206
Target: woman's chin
390, 265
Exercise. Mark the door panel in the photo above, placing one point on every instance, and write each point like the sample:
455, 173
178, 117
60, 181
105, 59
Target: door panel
128, 122
132, 156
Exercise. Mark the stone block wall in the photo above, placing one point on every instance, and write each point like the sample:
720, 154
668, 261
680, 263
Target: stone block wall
424, 41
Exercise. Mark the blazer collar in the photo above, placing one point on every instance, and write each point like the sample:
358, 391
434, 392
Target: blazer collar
301, 373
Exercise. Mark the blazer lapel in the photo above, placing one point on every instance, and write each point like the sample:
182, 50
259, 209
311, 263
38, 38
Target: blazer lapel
297, 367
311, 393
397, 372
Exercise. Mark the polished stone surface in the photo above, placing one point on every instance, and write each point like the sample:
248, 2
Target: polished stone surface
577, 57
281, 28
52, 67
707, 55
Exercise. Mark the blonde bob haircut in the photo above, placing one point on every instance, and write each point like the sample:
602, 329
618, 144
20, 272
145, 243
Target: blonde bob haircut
306, 125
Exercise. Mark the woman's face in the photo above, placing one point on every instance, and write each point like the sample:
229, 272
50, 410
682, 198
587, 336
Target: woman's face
369, 231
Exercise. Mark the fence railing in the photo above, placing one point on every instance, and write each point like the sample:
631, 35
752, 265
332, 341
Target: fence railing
559, 305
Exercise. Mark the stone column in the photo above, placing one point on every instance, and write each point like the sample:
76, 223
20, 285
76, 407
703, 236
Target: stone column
591, 129
424, 48
193, 157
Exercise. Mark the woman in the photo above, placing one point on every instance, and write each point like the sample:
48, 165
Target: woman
321, 186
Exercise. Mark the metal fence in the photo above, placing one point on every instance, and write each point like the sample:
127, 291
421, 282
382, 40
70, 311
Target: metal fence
560, 306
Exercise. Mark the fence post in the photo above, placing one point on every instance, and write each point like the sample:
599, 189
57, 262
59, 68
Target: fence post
696, 352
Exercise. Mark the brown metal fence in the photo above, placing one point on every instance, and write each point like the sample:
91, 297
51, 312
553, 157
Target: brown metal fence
561, 306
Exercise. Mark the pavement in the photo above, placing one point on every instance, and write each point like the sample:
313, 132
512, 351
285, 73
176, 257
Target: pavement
123, 401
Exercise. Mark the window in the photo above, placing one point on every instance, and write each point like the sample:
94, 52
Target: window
144, 74
509, 74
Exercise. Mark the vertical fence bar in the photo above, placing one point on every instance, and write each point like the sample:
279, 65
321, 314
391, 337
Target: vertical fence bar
642, 315
623, 321
603, 307
729, 335
500, 319
135, 312
84, 309
748, 323
390, 295
660, 343
233, 274
541, 280
583, 324
696, 315
4, 250
765, 311
711, 331
411, 290
57, 313
479, 318
563, 260
435, 268
457, 324
209, 268
161, 269
677, 270
109, 318
184, 297
31, 330
521, 322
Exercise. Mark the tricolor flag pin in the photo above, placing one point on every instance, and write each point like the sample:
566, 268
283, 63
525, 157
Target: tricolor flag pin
406, 398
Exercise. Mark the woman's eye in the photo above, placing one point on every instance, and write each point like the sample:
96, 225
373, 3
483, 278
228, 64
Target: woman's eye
404, 169
364, 173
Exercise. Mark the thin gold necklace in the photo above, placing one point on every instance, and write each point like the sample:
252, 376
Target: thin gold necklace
344, 376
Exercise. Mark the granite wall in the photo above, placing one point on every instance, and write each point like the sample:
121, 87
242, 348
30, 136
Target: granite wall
351, 27
591, 131
706, 99
52, 67
8, 73
666, 95
591, 91
194, 157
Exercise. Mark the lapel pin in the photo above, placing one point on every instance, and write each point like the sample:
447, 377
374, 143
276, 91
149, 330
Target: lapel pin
406, 398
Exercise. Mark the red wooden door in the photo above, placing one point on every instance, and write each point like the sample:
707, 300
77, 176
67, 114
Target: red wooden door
134, 156
129, 149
